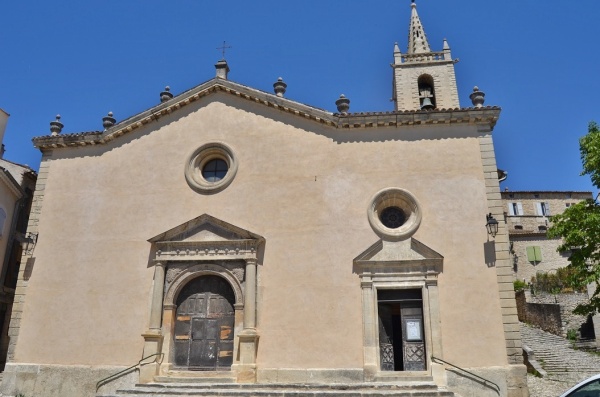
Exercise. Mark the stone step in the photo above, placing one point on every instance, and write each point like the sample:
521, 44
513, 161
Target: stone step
557, 356
404, 389
202, 379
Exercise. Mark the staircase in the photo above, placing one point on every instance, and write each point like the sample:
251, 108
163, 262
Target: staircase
170, 389
557, 356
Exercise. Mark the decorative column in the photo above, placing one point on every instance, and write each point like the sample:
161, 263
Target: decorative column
250, 299
249, 337
369, 326
433, 322
153, 337
157, 296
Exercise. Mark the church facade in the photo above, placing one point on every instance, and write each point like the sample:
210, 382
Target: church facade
230, 235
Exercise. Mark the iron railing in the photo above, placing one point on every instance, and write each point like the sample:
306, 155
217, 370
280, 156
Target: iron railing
101, 381
485, 381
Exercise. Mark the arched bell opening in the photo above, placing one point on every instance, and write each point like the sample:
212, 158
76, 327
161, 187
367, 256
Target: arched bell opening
203, 337
426, 92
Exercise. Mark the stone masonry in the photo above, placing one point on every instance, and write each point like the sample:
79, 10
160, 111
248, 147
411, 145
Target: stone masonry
527, 215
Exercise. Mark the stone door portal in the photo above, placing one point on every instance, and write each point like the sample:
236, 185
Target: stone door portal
204, 325
401, 336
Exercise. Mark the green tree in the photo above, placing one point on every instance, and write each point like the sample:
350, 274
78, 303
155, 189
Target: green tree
579, 227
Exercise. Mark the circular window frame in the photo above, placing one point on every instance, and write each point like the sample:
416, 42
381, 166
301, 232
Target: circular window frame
395, 197
198, 160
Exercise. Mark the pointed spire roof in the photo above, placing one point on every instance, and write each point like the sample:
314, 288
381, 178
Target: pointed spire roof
417, 40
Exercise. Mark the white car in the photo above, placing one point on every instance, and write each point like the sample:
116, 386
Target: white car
588, 388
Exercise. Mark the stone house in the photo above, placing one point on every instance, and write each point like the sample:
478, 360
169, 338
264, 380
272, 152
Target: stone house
527, 217
233, 235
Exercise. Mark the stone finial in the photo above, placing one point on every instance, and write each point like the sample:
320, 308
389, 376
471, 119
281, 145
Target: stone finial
343, 104
56, 126
446, 50
108, 121
477, 97
397, 54
166, 94
222, 69
279, 87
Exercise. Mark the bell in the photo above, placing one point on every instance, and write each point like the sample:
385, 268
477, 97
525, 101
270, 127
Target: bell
427, 105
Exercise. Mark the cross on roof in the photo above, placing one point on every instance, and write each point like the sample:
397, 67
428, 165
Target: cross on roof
223, 48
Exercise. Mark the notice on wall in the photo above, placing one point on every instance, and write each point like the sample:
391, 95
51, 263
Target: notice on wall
413, 330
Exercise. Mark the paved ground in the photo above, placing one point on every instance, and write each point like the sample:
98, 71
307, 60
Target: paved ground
565, 366
540, 387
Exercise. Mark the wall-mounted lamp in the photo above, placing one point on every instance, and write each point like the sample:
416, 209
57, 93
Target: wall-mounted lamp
29, 242
491, 225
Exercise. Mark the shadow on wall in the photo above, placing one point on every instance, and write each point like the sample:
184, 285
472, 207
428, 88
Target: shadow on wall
489, 250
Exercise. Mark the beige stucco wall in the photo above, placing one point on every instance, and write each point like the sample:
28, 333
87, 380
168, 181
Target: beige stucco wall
305, 187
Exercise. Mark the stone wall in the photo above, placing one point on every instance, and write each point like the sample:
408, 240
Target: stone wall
529, 228
551, 259
557, 203
64, 380
553, 312
567, 303
546, 316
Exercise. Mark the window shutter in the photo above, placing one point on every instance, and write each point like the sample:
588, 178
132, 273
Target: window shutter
547, 209
511, 209
519, 209
539, 208
530, 254
538, 254
534, 254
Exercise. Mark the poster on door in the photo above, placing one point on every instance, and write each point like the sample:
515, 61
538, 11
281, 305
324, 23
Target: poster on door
413, 330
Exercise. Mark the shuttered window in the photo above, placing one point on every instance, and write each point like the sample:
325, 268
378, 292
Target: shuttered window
515, 209
543, 209
534, 254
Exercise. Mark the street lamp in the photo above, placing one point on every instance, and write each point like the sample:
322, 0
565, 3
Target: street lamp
491, 225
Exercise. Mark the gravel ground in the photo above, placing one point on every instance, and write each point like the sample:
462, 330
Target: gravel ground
541, 387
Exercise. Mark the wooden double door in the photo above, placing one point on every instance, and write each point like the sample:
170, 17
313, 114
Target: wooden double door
401, 331
204, 325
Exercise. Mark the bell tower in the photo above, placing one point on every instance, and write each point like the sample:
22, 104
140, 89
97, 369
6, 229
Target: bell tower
423, 79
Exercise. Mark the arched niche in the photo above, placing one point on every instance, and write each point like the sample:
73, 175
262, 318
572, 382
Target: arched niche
427, 98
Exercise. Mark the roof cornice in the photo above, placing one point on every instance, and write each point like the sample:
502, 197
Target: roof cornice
11, 183
486, 115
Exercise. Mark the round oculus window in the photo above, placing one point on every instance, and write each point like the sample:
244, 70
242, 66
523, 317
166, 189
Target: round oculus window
392, 217
214, 170
211, 168
394, 214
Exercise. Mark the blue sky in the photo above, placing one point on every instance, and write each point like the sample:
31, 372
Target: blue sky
538, 60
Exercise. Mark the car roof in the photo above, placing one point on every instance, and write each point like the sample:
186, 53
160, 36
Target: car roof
577, 386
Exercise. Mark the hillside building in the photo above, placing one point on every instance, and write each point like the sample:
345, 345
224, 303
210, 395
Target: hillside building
527, 215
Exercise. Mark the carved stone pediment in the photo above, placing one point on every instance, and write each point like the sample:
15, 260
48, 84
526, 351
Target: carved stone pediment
407, 256
206, 238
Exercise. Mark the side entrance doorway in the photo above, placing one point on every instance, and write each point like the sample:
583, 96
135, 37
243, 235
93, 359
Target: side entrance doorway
401, 332
204, 323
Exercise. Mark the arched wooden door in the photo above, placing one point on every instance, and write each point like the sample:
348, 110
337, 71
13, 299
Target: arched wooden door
204, 325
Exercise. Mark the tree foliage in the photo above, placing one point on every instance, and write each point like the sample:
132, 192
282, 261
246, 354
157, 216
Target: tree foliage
579, 227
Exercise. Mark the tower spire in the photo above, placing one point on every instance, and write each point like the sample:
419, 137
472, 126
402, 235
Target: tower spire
423, 79
417, 40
